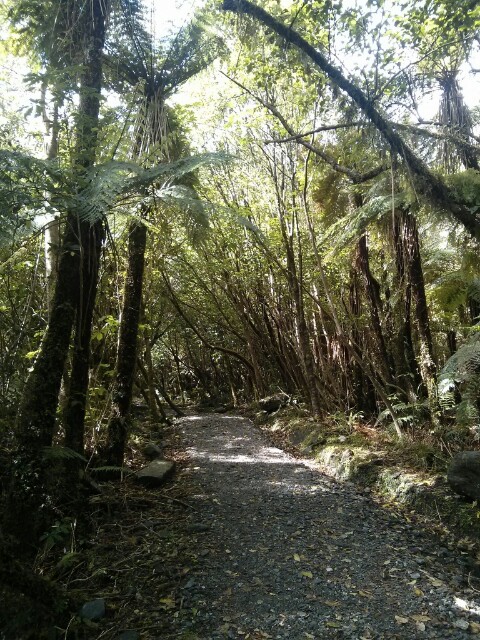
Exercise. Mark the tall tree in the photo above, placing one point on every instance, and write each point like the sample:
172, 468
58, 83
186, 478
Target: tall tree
158, 139
74, 294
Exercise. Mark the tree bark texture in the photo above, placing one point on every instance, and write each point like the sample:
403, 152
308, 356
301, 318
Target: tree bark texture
127, 344
426, 359
406, 365
36, 417
372, 291
74, 413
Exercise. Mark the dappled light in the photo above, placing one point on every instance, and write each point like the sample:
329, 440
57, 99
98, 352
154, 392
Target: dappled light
268, 208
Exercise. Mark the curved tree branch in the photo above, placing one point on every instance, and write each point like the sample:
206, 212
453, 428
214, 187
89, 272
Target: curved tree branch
355, 176
426, 183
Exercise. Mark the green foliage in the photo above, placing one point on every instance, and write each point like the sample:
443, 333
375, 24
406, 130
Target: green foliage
23, 182
408, 415
60, 532
353, 225
106, 184
57, 452
466, 185
461, 374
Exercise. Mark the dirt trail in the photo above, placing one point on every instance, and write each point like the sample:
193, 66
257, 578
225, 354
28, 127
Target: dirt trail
284, 552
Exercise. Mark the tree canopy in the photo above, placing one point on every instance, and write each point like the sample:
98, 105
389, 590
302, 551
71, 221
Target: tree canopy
281, 197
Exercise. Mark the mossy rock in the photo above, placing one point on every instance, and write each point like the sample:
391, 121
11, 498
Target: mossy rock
402, 486
315, 440
348, 463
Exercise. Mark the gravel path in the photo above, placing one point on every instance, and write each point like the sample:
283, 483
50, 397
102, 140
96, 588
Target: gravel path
285, 552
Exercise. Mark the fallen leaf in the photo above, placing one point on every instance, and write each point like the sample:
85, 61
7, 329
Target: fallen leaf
307, 574
169, 603
401, 620
364, 594
418, 592
420, 618
435, 582
296, 557
332, 603
475, 627
334, 625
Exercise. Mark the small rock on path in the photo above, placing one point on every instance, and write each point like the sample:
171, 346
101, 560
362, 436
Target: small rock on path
285, 552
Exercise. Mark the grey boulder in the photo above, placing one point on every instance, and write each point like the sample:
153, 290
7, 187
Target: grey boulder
155, 473
93, 610
152, 450
464, 474
273, 403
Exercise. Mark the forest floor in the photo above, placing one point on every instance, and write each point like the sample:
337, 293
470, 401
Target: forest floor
247, 541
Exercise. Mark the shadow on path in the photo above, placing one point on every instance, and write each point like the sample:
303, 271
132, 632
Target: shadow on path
285, 552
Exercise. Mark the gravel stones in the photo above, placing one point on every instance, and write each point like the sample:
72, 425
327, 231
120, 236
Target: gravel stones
288, 553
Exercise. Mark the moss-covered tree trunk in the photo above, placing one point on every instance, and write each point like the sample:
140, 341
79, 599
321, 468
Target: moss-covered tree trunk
90, 235
74, 413
127, 344
29, 495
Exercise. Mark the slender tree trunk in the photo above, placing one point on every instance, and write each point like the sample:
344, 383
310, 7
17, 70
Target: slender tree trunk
118, 426
354, 307
372, 291
406, 367
288, 382
52, 230
307, 362
74, 413
426, 360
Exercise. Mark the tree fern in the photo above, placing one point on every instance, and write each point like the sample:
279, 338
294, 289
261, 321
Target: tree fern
109, 182
62, 453
462, 371
24, 180
351, 226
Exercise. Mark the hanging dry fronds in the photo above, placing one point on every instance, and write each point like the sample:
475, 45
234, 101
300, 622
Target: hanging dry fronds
455, 117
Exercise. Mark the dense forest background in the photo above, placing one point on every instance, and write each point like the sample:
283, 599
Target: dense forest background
278, 197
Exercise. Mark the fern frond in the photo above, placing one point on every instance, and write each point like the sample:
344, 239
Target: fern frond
463, 365
450, 290
110, 469
24, 180
108, 182
351, 226
62, 453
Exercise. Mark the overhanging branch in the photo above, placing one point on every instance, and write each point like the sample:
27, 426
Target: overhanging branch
426, 183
